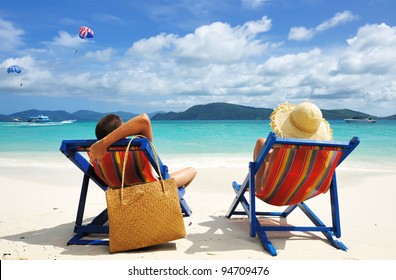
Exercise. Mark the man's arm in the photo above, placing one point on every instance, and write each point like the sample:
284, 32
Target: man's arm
138, 125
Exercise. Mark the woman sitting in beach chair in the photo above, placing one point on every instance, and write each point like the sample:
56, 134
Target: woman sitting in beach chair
288, 171
293, 121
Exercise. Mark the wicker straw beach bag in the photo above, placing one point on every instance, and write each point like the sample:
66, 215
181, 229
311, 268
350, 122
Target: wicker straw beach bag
145, 214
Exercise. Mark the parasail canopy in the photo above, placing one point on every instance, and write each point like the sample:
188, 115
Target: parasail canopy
14, 69
85, 32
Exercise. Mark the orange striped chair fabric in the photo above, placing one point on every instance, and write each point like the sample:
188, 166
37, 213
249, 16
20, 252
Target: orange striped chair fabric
296, 173
138, 168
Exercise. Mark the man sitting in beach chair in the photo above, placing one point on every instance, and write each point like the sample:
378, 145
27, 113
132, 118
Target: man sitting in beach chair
106, 156
110, 129
287, 171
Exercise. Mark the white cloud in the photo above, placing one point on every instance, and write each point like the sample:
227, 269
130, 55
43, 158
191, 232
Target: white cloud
303, 33
370, 51
291, 64
216, 43
151, 46
10, 36
252, 28
101, 55
64, 39
360, 75
34, 76
374, 36
339, 18
26, 62
300, 33
253, 4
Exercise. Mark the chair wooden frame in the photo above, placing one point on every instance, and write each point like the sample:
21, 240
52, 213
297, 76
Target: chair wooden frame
73, 150
249, 204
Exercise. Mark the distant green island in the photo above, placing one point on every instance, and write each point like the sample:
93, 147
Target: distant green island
211, 111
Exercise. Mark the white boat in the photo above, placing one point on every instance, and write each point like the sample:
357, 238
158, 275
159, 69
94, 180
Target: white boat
17, 119
39, 119
360, 120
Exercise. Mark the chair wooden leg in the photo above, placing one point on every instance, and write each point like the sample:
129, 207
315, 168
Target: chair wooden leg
266, 243
183, 204
329, 234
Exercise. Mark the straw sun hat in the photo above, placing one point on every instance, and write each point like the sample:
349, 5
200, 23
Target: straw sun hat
304, 120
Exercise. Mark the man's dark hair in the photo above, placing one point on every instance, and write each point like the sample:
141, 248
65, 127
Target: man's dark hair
106, 125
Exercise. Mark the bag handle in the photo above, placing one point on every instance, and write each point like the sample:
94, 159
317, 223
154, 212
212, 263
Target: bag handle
126, 158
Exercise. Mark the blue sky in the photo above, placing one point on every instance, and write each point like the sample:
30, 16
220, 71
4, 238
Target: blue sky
169, 55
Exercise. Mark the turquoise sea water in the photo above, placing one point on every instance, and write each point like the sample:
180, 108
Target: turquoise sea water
196, 143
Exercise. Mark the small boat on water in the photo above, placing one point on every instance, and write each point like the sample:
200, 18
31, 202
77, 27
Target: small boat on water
360, 120
17, 119
39, 119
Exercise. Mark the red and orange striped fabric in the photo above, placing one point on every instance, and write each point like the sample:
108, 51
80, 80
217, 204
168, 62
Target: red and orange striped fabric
297, 173
138, 168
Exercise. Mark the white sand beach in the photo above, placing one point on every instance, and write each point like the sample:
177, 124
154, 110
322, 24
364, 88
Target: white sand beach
38, 208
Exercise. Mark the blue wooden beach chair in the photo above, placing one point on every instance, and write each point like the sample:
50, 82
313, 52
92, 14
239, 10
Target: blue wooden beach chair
74, 150
298, 170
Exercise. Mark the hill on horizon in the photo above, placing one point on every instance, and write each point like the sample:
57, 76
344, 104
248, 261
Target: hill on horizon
217, 111
211, 111
227, 111
61, 115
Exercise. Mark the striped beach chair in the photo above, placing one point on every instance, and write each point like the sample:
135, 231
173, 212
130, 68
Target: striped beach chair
298, 170
108, 173
109, 169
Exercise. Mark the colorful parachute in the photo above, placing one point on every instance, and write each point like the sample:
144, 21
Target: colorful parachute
85, 32
14, 69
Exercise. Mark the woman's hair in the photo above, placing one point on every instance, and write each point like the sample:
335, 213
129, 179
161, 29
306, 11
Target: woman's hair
106, 125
